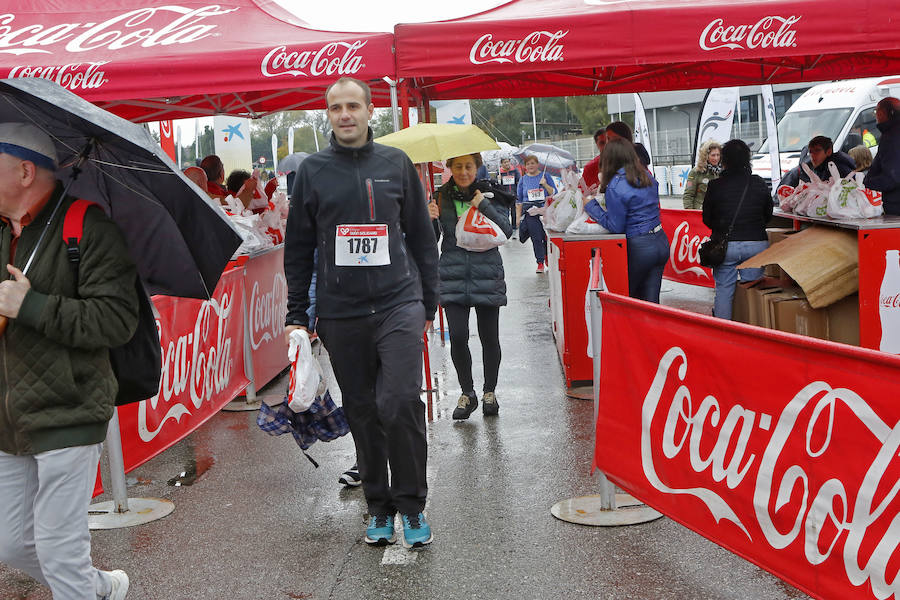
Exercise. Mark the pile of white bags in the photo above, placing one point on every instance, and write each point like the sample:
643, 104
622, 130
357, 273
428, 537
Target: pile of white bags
836, 197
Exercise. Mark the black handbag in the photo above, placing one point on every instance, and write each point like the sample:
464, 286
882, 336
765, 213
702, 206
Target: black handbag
712, 251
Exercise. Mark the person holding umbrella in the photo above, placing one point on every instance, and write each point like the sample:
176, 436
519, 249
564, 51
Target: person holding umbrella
57, 378
533, 189
472, 279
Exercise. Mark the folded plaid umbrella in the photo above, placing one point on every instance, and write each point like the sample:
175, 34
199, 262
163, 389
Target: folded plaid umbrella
323, 420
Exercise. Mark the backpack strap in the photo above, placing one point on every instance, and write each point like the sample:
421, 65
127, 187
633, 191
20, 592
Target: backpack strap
73, 228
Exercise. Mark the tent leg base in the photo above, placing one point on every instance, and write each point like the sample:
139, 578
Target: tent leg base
588, 510
103, 515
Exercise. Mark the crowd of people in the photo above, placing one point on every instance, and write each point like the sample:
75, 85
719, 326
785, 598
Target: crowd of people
362, 241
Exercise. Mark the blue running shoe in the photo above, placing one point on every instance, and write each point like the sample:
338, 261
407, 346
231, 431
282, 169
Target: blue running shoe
380, 531
416, 531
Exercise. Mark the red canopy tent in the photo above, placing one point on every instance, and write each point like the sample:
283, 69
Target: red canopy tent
155, 59
570, 47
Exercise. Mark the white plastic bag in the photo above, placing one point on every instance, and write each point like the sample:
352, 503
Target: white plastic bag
563, 210
583, 223
870, 201
815, 202
306, 376
787, 196
477, 233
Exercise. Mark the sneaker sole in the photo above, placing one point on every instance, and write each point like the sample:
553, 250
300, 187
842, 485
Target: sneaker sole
418, 544
381, 541
350, 482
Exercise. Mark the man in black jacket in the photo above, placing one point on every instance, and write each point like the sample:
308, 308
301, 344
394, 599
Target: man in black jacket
362, 205
884, 174
821, 152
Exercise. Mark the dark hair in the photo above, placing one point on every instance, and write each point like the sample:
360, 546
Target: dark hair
736, 156
213, 166
621, 129
889, 105
821, 141
599, 132
367, 91
235, 180
475, 155
620, 153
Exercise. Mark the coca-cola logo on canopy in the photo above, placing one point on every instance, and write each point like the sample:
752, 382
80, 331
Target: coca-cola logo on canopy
75, 77
145, 27
537, 46
336, 58
768, 32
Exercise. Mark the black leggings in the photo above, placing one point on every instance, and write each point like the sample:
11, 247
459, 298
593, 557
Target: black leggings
489, 335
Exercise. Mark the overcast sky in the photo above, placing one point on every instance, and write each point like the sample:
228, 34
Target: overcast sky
372, 15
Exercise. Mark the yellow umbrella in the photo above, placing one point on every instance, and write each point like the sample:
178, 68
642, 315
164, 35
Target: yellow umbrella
427, 142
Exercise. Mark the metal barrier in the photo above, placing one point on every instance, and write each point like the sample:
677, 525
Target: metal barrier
608, 508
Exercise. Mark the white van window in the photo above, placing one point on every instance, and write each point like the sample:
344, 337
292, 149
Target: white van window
797, 128
863, 131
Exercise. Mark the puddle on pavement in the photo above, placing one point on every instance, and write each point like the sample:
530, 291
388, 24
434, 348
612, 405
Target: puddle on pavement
194, 470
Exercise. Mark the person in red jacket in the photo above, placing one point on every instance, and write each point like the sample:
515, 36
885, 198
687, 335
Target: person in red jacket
591, 172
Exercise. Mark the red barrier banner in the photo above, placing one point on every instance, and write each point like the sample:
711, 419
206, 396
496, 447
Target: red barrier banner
266, 290
781, 448
686, 232
202, 369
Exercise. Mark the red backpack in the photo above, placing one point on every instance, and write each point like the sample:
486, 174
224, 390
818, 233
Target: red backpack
136, 363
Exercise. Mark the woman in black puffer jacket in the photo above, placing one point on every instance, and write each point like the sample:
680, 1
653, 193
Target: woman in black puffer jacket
471, 279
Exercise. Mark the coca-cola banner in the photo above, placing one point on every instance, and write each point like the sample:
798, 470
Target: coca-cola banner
780, 448
266, 292
879, 290
132, 51
202, 369
686, 232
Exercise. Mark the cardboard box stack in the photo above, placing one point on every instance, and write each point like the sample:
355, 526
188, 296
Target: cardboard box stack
811, 291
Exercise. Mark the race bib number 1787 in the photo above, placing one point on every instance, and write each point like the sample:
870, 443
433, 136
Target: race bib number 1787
361, 246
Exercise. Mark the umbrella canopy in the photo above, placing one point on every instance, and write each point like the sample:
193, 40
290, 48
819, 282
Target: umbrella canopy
291, 162
492, 158
179, 239
427, 142
551, 158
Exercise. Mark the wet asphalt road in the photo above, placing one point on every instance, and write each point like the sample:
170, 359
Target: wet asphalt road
254, 519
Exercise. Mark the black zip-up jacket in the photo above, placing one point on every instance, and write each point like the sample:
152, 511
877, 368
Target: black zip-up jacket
373, 184
884, 174
723, 195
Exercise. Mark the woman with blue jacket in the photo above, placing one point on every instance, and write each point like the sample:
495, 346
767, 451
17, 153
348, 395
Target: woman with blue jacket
632, 208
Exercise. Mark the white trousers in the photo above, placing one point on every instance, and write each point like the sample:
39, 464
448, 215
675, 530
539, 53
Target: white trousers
44, 519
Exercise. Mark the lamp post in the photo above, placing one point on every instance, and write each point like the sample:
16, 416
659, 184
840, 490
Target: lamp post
690, 140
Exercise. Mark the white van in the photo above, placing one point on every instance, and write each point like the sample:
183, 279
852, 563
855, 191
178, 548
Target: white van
841, 110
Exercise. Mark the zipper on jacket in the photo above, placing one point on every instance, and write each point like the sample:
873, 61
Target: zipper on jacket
371, 193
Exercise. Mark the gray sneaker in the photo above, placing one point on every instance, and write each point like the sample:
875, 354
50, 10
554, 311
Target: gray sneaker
489, 406
118, 581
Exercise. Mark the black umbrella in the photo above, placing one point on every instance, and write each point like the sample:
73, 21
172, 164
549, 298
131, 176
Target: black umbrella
178, 237
291, 162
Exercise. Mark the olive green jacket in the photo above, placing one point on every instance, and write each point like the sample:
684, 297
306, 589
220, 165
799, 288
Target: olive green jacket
56, 384
695, 188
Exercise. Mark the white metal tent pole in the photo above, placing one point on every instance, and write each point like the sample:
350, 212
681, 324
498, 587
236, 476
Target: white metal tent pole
395, 105
533, 120
119, 512
315, 136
